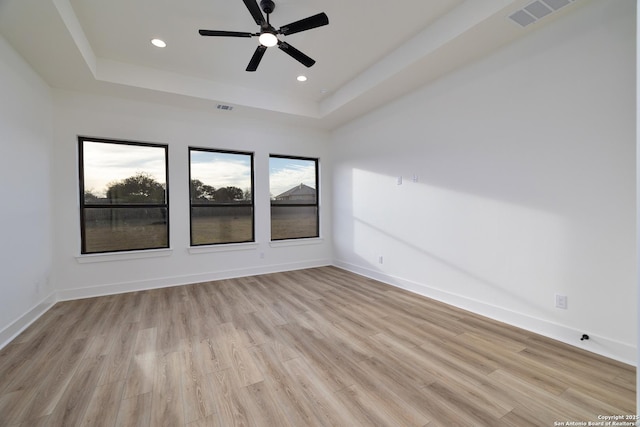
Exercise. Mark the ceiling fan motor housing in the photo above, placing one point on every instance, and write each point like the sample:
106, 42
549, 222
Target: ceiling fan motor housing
267, 6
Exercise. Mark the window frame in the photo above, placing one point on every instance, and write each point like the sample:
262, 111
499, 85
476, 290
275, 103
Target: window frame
316, 204
212, 205
84, 206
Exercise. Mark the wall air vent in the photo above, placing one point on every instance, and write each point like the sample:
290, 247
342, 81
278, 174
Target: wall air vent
537, 10
224, 107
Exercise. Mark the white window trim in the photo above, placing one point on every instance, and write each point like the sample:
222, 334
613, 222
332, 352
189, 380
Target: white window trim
123, 256
296, 242
223, 247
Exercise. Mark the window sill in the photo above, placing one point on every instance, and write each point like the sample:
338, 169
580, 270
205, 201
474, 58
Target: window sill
296, 242
223, 248
122, 256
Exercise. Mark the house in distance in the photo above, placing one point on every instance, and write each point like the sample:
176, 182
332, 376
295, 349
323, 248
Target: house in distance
299, 194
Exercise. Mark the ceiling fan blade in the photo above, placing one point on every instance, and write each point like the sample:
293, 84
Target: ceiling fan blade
255, 11
314, 21
256, 58
224, 33
296, 54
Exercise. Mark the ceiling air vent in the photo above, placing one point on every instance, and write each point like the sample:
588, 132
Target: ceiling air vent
537, 10
225, 107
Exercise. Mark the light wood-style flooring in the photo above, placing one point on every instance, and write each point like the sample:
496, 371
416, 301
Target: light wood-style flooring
317, 347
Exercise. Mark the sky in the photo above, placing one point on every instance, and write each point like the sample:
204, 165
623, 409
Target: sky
105, 163
221, 169
285, 174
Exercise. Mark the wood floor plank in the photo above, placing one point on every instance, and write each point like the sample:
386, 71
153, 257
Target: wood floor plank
166, 403
135, 411
293, 405
141, 374
70, 409
317, 359
43, 347
119, 358
53, 383
239, 358
386, 400
397, 382
210, 356
542, 404
38, 422
309, 386
14, 405
583, 400
197, 394
469, 401
104, 406
264, 406
314, 347
543, 376
229, 399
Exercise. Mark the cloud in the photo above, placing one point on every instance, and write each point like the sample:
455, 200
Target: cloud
222, 170
285, 174
104, 163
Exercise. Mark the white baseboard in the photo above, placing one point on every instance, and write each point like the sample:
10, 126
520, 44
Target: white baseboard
165, 282
596, 344
9, 333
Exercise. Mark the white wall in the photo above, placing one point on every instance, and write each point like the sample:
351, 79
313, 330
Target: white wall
638, 192
106, 117
525, 167
25, 193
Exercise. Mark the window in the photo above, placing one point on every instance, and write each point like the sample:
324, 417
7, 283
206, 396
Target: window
221, 194
123, 196
293, 184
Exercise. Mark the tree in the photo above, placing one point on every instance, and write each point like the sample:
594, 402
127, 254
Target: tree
90, 197
202, 192
228, 194
246, 195
140, 188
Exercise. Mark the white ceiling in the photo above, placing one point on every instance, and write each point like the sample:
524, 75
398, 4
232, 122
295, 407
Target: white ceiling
370, 53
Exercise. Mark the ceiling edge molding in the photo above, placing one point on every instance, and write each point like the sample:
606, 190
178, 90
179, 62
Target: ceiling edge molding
467, 15
110, 71
70, 20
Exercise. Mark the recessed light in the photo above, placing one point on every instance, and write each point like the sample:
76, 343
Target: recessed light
158, 43
302, 78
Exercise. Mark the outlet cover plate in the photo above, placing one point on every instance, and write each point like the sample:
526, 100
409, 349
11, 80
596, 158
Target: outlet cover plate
561, 301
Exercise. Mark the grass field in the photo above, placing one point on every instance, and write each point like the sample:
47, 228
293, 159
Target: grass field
293, 227
221, 229
132, 235
106, 238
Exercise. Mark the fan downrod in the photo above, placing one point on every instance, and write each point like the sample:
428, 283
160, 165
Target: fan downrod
267, 6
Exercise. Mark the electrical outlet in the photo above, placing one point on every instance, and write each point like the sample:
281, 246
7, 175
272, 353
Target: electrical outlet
561, 301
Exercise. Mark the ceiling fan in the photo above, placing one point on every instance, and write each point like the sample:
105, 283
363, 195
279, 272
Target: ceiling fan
268, 35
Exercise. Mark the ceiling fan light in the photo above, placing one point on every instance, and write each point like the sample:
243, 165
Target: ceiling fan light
268, 39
